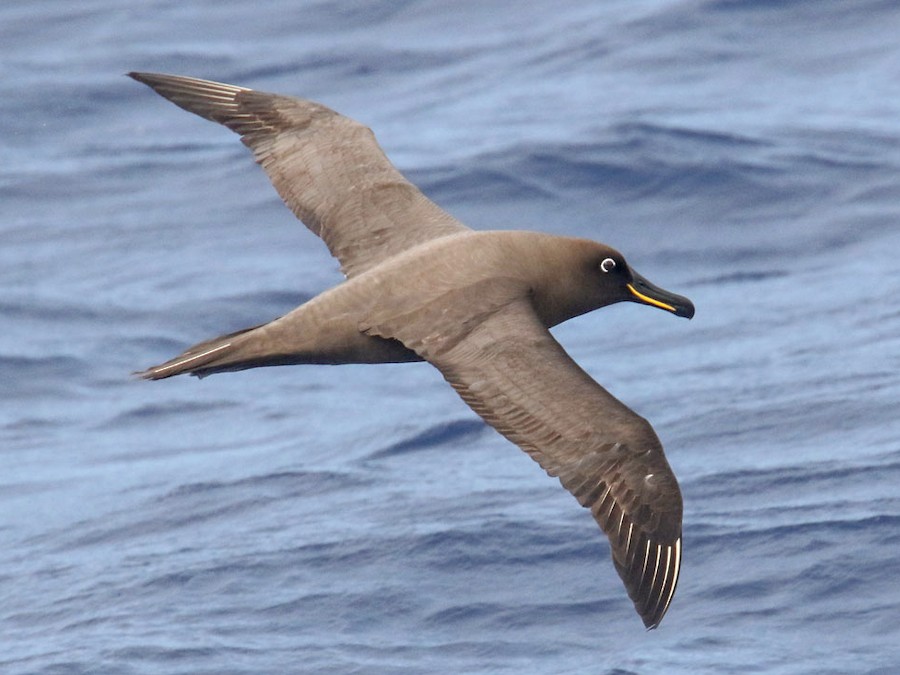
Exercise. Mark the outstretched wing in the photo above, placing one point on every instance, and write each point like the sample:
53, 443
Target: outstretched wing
515, 375
329, 169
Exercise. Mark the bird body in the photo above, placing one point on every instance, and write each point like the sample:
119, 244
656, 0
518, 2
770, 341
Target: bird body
476, 305
460, 277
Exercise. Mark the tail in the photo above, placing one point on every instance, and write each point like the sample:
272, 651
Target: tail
302, 336
218, 355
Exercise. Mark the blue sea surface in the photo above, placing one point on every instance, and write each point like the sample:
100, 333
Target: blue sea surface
361, 519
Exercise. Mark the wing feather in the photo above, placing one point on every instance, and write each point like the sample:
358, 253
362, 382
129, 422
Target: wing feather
515, 375
329, 169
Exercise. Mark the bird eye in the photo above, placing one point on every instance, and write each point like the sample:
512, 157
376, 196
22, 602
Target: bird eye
608, 265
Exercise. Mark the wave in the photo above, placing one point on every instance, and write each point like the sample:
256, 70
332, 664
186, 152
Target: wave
445, 433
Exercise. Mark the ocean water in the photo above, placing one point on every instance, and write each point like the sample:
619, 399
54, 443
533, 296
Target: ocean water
362, 519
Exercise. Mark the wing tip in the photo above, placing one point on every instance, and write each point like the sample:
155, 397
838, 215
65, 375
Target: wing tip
652, 602
138, 75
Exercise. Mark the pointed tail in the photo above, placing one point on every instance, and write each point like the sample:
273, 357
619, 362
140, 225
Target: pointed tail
205, 358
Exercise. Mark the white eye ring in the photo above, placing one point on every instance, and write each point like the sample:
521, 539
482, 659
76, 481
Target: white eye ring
608, 265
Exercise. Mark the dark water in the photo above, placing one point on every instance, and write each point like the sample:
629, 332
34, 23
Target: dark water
361, 519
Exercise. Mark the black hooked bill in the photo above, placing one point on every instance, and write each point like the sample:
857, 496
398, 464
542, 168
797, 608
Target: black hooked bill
650, 294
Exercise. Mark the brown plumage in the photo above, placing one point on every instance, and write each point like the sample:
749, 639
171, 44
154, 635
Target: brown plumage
476, 305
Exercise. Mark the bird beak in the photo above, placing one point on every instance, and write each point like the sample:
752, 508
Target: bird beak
645, 292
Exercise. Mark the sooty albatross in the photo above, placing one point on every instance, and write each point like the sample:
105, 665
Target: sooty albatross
476, 305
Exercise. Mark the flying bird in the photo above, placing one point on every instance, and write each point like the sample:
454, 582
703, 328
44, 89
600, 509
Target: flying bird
477, 305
